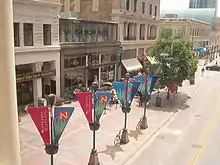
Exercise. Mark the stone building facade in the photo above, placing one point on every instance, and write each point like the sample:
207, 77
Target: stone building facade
37, 50
196, 31
137, 22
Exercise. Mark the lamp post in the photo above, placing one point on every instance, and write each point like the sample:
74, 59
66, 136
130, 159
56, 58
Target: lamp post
143, 124
94, 160
126, 109
51, 149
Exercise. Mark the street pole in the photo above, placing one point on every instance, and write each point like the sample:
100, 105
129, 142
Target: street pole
94, 160
10, 144
143, 124
124, 136
51, 150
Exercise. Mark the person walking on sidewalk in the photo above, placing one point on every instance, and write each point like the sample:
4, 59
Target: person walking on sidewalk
202, 71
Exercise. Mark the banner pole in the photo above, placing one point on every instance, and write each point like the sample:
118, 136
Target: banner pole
144, 124
125, 110
94, 120
93, 160
51, 134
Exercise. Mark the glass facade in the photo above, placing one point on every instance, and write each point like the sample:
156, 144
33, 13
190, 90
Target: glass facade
87, 31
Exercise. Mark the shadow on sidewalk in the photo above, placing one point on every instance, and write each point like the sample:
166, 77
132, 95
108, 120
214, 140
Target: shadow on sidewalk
173, 104
135, 133
111, 150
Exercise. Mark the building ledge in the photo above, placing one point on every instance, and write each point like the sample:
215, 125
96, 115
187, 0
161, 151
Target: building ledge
28, 49
52, 3
88, 44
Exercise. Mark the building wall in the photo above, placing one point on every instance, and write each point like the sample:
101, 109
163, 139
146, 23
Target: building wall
196, 31
126, 17
38, 13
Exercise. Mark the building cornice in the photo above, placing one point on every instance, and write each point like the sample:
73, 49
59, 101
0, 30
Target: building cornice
38, 2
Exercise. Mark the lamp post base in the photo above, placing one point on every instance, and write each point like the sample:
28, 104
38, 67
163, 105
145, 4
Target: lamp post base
124, 137
144, 124
94, 160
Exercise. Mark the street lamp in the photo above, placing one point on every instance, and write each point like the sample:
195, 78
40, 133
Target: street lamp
51, 149
126, 109
143, 124
94, 160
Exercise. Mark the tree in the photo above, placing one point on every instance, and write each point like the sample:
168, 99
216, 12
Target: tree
175, 59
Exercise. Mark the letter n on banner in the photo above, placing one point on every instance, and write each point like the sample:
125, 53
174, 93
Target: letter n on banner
102, 99
85, 101
40, 117
61, 118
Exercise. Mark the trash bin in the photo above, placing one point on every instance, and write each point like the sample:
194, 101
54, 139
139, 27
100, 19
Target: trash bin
158, 101
192, 81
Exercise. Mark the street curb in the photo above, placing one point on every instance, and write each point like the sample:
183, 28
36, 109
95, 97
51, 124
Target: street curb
163, 123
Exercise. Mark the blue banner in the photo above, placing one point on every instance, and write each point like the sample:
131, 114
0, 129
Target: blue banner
142, 80
61, 118
120, 88
102, 99
152, 84
151, 80
134, 88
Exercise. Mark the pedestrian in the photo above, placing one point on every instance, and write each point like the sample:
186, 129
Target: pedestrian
202, 71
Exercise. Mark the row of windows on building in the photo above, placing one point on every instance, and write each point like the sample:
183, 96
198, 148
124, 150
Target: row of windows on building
143, 7
130, 31
28, 34
87, 31
93, 59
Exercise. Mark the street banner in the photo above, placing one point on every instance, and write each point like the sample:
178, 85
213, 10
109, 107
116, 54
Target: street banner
40, 117
120, 88
153, 82
102, 99
61, 118
142, 80
128, 99
85, 101
134, 88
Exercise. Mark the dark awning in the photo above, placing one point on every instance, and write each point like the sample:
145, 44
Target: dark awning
132, 64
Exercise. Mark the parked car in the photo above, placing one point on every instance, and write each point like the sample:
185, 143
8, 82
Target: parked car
213, 67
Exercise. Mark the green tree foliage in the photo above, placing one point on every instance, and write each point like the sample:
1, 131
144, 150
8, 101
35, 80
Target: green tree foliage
175, 59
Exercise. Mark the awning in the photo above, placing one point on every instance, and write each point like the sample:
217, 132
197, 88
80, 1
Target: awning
132, 64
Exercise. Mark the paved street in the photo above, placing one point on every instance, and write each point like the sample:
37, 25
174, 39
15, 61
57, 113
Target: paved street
76, 142
191, 137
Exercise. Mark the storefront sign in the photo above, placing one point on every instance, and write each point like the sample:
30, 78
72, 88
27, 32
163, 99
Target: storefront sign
35, 75
74, 62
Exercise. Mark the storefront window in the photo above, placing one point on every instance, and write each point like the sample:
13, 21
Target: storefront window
25, 93
75, 62
108, 73
93, 59
106, 58
74, 80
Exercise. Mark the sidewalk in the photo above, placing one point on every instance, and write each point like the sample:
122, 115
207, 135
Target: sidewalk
76, 142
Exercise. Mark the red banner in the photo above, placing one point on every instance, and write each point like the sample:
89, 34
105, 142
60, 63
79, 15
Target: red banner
40, 117
85, 101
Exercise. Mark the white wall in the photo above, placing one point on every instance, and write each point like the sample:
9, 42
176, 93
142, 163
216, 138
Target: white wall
38, 13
